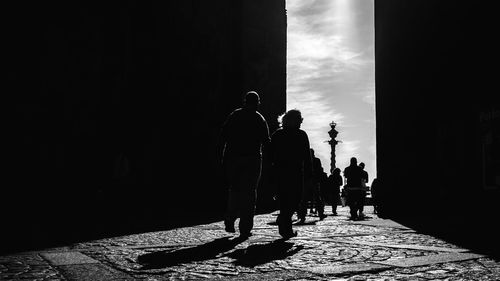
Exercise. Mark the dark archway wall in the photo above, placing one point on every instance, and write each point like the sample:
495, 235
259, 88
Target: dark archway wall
153, 80
437, 106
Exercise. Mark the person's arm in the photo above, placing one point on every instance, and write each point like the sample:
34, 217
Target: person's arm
222, 141
308, 169
220, 149
271, 152
275, 144
264, 132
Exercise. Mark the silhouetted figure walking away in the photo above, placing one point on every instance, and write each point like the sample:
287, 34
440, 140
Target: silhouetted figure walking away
243, 135
324, 193
334, 182
364, 184
354, 175
312, 192
291, 165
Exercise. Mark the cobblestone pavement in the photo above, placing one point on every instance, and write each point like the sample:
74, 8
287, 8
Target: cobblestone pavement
332, 249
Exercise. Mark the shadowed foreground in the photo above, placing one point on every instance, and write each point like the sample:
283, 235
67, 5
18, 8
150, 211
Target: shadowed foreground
332, 248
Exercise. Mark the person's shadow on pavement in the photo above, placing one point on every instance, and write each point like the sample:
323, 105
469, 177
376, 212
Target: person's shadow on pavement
210, 250
363, 218
263, 253
296, 223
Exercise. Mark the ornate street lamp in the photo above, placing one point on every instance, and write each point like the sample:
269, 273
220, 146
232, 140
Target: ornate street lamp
333, 142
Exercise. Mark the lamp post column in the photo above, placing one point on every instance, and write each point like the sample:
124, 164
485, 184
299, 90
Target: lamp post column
333, 143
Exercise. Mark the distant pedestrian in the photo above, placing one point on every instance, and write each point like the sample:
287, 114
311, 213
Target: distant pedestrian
364, 184
324, 190
334, 182
243, 135
291, 165
312, 191
343, 196
354, 175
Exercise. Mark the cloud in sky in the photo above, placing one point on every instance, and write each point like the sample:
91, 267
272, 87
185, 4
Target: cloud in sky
331, 73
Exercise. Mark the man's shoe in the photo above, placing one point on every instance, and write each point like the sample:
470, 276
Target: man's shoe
245, 235
322, 217
230, 228
290, 235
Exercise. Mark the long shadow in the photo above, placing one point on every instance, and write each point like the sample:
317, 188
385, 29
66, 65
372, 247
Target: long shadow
260, 254
365, 218
202, 252
295, 223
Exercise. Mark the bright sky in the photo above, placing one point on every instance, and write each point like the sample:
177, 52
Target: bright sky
331, 76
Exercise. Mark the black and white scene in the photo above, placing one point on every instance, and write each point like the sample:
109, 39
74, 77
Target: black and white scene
251, 140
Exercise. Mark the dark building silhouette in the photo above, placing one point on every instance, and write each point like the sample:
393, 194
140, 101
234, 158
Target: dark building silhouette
436, 100
437, 111
153, 81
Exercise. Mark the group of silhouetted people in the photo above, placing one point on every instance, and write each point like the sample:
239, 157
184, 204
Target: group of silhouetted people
296, 173
356, 189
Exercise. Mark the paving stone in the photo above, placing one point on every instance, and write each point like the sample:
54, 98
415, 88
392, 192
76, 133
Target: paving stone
332, 249
66, 258
92, 272
382, 223
433, 259
27, 267
400, 237
407, 246
163, 245
348, 269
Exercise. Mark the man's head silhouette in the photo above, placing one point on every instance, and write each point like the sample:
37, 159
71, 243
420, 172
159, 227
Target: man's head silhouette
251, 100
354, 161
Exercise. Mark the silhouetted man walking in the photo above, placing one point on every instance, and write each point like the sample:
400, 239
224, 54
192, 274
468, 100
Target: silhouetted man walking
243, 135
334, 182
354, 175
312, 191
291, 165
364, 184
